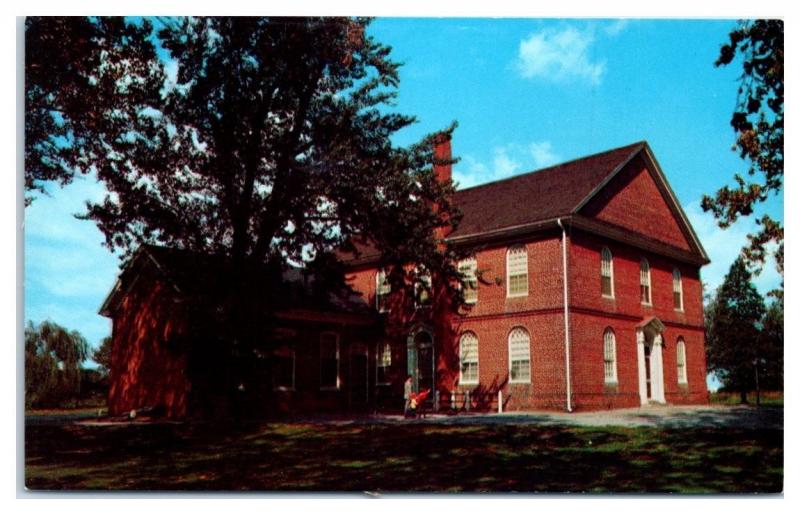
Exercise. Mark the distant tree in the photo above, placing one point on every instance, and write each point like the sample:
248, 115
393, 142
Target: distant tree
102, 356
758, 123
771, 363
733, 331
87, 81
53, 358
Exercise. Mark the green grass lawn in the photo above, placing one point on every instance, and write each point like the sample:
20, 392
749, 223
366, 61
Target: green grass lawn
768, 398
403, 457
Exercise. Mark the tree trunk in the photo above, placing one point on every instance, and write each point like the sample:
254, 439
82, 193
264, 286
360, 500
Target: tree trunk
743, 397
758, 389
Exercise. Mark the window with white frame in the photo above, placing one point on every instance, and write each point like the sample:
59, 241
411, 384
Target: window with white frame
517, 271
283, 364
606, 273
382, 291
423, 288
329, 361
677, 289
469, 270
644, 282
610, 356
383, 360
468, 358
680, 349
519, 356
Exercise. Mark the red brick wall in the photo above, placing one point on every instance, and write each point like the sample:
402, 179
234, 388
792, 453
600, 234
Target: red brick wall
591, 313
584, 267
147, 370
588, 380
541, 313
491, 319
632, 200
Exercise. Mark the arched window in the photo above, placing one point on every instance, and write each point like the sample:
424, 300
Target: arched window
610, 356
469, 269
677, 289
606, 273
517, 271
519, 356
382, 291
680, 349
329, 361
468, 358
644, 282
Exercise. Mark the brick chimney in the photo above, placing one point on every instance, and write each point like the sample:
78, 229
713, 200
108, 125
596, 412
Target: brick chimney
443, 172
441, 150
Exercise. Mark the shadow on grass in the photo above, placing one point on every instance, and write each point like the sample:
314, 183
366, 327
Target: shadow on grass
416, 457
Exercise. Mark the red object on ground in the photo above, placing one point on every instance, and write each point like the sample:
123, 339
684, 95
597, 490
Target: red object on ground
421, 396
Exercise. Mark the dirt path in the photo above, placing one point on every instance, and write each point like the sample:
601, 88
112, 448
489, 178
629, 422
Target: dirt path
661, 416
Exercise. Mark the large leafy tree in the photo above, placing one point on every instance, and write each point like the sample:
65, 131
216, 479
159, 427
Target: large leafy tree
274, 146
53, 358
733, 330
758, 123
87, 81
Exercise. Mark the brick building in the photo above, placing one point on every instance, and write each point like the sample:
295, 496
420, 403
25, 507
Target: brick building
584, 292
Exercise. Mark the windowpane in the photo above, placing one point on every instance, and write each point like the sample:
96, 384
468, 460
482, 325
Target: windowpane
517, 271
605, 286
644, 282
610, 356
382, 290
423, 288
468, 355
384, 361
469, 269
681, 360
519, 351
677, 289
606, 273
329, 361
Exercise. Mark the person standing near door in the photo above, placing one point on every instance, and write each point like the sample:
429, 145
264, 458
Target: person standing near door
407, 391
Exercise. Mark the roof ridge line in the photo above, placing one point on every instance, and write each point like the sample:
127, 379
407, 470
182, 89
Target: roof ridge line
538, 170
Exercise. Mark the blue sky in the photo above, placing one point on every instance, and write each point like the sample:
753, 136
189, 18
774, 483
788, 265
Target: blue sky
526, 93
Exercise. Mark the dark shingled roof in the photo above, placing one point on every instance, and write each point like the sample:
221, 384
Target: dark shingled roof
528, 198
536, 196
200, 275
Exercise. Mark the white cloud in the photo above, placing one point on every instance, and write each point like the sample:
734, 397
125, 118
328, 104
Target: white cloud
724, 246
506, 160
560, 55
543, 155
504, 165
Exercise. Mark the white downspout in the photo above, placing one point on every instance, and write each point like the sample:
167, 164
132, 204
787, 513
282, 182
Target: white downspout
566, 314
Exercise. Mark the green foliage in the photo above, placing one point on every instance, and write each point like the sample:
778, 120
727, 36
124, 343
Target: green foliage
102, 356
273, 146
86, 82
736, 343
758, 123
53, 357
771, 347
